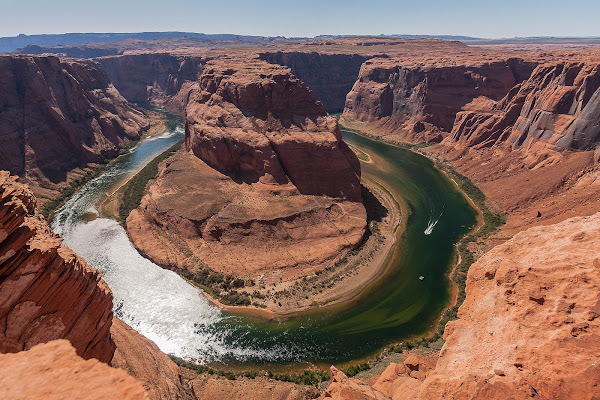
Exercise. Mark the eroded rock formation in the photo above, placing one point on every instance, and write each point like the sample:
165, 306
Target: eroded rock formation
421, 101
46, 291
267, 185
60, 114
163, 79
329, 76
53, 371
140, 357
556, 109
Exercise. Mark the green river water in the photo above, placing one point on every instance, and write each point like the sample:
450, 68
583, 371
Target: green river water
168, 310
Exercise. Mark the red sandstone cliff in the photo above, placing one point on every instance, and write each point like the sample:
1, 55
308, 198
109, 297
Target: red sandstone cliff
259, 123
329, 76
267, 189
420, 100
163, 79
60, 114
46, 291
52, 371
556, 109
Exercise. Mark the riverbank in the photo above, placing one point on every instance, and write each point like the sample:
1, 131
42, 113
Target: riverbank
52, 199
338, 283
467, 249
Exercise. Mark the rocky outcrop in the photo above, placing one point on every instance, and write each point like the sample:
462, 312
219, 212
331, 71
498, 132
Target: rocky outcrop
163, 79
529, 326
53, 371
46, 291
420, 101
556, 109
267, 189
259, 124
329, 76
140, 357
213, 387
58, 114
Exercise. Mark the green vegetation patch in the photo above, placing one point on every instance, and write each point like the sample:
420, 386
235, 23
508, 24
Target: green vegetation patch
134, 190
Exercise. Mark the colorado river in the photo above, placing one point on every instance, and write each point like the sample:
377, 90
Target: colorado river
175, 315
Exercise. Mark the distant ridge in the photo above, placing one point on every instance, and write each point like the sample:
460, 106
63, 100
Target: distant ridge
15, 42
12, 43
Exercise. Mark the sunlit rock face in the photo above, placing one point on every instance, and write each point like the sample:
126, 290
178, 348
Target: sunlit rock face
46, 291
267, 183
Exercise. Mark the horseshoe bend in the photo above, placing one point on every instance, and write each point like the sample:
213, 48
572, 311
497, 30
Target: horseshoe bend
190, 216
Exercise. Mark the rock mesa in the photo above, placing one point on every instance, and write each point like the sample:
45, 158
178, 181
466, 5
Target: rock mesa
266, 184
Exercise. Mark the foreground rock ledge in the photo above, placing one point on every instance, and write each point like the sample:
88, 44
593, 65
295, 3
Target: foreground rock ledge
528, 328
53, 371
267, 189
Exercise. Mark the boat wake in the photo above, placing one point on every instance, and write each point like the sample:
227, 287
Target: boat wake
432, 222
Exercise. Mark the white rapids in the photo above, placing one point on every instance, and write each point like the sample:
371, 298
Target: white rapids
156, 302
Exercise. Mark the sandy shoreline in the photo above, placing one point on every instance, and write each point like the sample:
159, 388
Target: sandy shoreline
352, 278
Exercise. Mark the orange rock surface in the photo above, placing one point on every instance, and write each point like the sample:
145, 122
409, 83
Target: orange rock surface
59, 115
267, 186
556, 109
140, 357
528, 328
52, 371
46, 291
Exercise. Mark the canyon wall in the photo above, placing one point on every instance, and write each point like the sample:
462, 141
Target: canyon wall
329, 76
556, 109
162, 79
60, 114
267, 189
259, 123
418, 101
46, 291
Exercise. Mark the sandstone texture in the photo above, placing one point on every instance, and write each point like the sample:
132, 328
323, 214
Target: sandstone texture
260, 388
53, 371
527, 329
143, 360
260, 124
266, 186
60, 114
46, 291
421, 101
556, 109
162, 79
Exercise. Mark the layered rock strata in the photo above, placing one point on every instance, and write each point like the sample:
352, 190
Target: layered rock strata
46, 291
420, 101
329, 76
163, 79
556, 109
267, 185
60, 114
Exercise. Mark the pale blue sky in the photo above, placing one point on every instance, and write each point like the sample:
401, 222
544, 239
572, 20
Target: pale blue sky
507, 18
